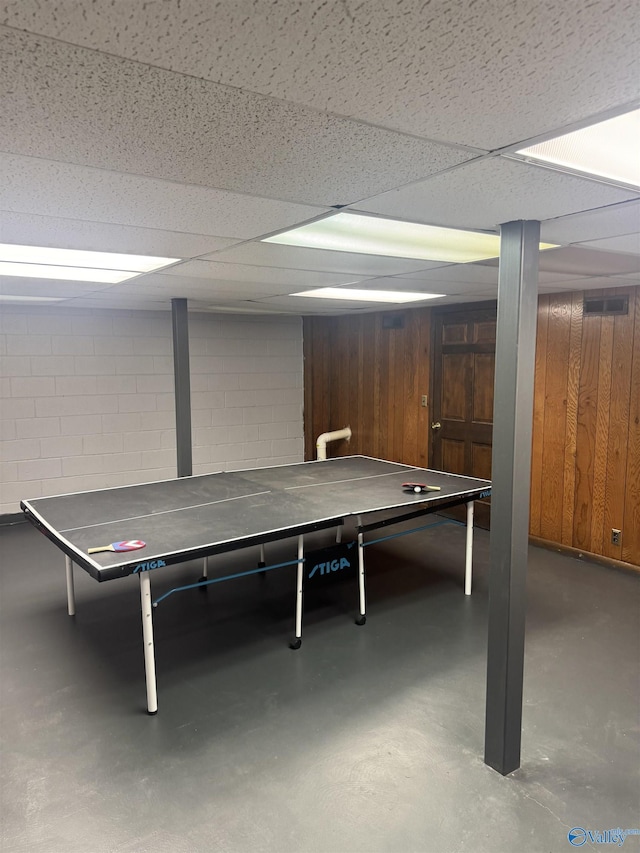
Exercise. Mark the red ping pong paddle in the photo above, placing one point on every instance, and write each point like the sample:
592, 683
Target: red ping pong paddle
420, 487
126, 545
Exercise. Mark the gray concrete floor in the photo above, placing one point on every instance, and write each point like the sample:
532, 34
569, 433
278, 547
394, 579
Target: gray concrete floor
366, 739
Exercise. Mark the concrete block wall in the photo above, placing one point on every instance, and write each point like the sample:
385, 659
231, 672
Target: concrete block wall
87, 400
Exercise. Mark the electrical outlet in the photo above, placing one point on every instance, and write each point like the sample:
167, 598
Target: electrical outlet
615, 536
423, 401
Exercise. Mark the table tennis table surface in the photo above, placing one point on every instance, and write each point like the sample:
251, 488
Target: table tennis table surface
200, 515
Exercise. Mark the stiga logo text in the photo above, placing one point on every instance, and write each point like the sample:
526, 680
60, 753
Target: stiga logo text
329, 560
148, 565
333, 566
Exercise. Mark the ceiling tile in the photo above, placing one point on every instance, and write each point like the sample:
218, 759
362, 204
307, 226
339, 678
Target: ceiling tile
193, 288
309, 306
574, 260
570, 262
112, 113
595, 283
55, 189
294, 257
626, 243
18, 286
484, 74
33, 230
610, 221
213, 270
431, 286
486, 193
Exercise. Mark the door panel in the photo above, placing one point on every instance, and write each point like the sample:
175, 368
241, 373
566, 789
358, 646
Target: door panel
452, 456
484, 369
453, 399
462, 399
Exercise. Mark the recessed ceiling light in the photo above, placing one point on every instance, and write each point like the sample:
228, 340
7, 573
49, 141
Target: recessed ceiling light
373, 235
31, 299
64, 273
75, 264
356, 295
82, 258
608, 150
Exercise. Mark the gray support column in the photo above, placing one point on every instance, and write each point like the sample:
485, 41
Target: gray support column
511, 476
182, 385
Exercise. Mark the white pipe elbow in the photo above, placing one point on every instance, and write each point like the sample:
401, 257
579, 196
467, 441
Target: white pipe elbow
326, 437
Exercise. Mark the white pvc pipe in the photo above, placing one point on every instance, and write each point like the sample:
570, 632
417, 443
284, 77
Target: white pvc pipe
71, 598
299, 577
326, 437
147, 639
469, 550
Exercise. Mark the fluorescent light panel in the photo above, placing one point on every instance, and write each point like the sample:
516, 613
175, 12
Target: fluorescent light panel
355, 295
608, 149
64, 273
81, 258
372, 235
75, 264
31, 299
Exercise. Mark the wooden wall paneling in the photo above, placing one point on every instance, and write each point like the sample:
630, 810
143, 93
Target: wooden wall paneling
361, 379
411, 391
403, 408
555, 417
382, 422
424, 385
308, 384
586, 431
631, 529
317, 366
573, 385
537, 442
603, 409
340, 357
366, 428
391, 394
619, 422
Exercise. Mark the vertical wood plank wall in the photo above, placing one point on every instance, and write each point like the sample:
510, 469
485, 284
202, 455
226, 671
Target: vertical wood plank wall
586, 430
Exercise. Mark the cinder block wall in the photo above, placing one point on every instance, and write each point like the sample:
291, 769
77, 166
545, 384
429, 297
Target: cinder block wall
87, 402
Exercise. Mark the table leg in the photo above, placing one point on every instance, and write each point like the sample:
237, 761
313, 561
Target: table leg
71, 597
147, 639
469, 550
297, 642
362, 617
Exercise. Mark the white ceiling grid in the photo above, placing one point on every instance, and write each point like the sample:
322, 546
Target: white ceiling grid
192, 129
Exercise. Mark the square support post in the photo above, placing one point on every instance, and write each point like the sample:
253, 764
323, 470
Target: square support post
511, 477
182, 382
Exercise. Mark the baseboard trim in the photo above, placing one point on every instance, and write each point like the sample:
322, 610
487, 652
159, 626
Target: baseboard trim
8, 518
610, 562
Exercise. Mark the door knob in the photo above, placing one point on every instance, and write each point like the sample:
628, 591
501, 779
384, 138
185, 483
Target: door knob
436, 425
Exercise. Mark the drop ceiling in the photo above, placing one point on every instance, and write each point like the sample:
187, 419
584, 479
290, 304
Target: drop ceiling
194, 130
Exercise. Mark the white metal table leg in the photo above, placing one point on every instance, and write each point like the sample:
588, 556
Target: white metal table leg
263, 558
469, 550
147, 638
339, 534
362, 618
205, 568
299, 580
71, 596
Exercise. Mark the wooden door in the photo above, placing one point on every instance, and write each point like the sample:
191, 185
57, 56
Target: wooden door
464, 345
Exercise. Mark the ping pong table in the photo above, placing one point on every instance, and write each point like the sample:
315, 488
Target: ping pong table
201, 516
